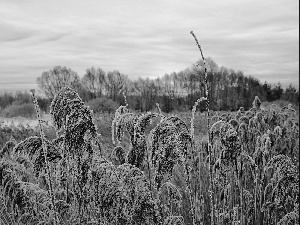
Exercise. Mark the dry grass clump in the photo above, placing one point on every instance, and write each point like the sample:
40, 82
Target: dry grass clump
246, 169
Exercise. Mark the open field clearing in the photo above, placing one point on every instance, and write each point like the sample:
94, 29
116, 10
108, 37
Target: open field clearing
16, 121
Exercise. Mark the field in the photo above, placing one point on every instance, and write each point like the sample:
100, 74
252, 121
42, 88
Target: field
22, 121
154, 168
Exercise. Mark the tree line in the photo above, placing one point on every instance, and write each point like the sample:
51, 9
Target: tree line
228, 89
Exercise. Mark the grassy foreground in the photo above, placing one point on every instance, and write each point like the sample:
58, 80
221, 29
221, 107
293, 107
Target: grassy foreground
129, 168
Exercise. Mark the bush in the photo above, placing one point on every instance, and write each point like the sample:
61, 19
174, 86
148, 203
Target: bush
279, 103
102, 105
24, 110
22, 98
44, 104
6, 99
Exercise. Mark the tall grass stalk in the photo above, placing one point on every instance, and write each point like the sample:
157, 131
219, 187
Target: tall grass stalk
208, 128
241, 194
192, 134
50, 190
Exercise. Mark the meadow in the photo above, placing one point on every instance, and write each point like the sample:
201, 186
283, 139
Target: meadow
77, 167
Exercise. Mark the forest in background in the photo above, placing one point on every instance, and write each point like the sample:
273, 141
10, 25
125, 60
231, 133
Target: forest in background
228, 90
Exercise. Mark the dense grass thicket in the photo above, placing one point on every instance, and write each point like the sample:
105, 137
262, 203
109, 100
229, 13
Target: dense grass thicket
154, 169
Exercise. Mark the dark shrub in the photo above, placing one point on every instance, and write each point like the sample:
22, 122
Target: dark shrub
24, 110
102, 105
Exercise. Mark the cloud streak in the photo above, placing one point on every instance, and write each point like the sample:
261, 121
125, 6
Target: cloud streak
149, 38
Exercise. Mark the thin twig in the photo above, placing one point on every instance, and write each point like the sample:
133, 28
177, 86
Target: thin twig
208, 128
50, 191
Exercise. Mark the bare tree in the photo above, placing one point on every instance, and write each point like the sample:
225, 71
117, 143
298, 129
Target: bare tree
54, 80
95, 80
117, 84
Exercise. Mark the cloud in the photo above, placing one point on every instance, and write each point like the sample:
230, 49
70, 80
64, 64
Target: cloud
11, 32
148, 38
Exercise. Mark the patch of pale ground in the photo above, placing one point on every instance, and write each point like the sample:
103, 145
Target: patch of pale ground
4, 121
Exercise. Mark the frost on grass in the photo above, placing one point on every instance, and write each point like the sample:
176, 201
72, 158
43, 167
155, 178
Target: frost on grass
122, 195
162, 177
169, 142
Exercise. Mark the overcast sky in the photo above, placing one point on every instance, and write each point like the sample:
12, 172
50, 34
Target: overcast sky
143, 38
